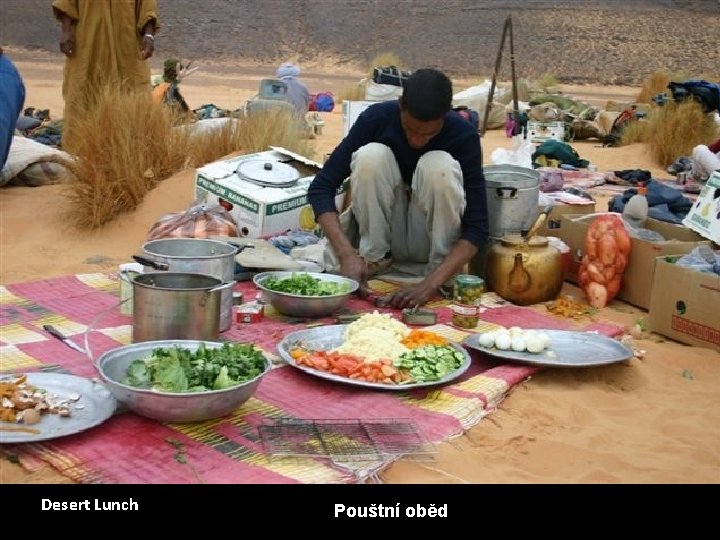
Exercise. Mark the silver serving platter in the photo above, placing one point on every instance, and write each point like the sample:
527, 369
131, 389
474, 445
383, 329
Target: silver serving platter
325, 338
96, 404
567, 349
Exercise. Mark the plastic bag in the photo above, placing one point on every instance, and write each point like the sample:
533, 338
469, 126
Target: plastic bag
520, 154
702, 258
286, 242
198, 221
641, 233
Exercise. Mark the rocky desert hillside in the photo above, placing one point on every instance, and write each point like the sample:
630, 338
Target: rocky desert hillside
604, 41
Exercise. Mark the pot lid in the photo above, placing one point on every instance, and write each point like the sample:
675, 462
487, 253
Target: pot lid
267, 173
517, 240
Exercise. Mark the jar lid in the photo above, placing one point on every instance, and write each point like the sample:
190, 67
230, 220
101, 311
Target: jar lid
517, 240
469, 279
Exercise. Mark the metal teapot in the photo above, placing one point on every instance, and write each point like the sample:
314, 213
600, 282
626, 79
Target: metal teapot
525, 270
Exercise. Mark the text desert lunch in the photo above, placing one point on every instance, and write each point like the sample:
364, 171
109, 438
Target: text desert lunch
130, 504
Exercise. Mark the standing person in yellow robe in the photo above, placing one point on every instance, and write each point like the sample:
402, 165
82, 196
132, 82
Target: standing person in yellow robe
106, 42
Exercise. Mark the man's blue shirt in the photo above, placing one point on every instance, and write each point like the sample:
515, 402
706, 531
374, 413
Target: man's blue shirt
381, 123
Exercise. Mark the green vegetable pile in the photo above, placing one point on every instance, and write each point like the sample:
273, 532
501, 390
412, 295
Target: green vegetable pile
431, 362
305, 285
180, 370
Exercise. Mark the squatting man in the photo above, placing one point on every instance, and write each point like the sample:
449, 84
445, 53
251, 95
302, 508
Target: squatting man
417, 187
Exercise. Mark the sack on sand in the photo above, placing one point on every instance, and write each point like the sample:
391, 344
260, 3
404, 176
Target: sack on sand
198, 221
30, 163
321, 102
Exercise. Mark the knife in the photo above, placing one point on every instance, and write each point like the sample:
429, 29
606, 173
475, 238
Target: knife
59, 335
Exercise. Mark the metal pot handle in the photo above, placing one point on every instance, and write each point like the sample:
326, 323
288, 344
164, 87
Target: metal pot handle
500, 192
161, 266
225, 285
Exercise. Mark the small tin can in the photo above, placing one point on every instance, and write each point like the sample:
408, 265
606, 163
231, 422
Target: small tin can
467, 293
249, 313
237, 298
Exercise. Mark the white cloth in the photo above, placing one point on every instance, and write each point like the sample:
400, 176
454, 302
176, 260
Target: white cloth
25, 152
704, 162
419, 225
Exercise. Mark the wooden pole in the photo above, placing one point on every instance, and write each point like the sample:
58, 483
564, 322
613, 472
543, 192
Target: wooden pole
516, 105
498, 60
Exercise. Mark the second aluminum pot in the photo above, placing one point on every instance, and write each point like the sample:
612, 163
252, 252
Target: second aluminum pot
198, 256
172, 305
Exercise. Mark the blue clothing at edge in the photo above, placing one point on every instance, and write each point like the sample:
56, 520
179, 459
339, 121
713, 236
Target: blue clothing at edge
381, 123
12, 99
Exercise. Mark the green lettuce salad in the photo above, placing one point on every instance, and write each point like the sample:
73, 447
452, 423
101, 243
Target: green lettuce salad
305, 285
181, 370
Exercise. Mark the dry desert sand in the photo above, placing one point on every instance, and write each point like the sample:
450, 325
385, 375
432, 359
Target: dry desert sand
650, 420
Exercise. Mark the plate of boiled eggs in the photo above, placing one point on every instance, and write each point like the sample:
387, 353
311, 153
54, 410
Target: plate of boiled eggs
557, 348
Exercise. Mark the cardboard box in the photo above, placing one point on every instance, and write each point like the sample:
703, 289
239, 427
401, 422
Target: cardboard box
638, 277
685, 304
351, 110
704, 216
262, 211
543, 131
553, 222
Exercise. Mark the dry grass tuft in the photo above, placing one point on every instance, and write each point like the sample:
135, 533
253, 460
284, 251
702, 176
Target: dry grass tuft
656, 83
123, 146
384, 59
548, 81
352, 92
126, 144
253, 133
675, 128
634, 132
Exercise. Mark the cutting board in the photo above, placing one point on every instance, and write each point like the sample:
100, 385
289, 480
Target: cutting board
262, 255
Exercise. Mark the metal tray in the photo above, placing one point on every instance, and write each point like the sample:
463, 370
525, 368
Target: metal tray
325, 338
96, 404
567, 349
344, 439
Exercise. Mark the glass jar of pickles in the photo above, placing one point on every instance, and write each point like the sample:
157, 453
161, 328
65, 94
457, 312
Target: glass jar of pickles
467, 292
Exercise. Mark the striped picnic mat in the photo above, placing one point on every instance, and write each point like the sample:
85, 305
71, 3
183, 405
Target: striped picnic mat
131, 449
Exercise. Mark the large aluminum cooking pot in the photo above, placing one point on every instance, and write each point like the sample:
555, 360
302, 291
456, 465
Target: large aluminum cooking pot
173, 305
198, 256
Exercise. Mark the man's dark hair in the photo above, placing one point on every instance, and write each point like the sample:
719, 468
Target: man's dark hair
427, 94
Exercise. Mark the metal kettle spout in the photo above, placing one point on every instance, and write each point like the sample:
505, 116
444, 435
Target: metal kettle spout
519, 279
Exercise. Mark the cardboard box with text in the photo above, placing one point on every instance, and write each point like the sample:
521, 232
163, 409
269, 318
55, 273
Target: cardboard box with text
685, 304
261, 211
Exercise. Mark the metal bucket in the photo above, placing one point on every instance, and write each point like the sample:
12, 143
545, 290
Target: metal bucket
173, 305
199, 256
512, 198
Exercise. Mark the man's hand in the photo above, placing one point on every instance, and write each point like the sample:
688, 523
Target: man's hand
352, 266
148, 43
67, 46
67, 42
414, 296
419, 294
